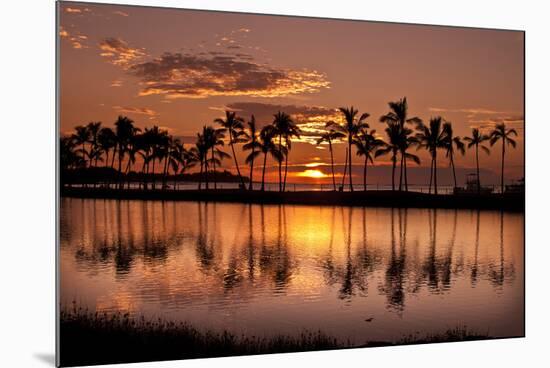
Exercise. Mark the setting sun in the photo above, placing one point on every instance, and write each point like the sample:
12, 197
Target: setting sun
317, 174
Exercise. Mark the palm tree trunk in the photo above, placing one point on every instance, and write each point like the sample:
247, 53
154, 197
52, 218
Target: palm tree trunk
153, 185
435, 172
200, 177
394, 163
453, 167
345, 169
214, 170
280, 162
477, 170
176, 175
349, 163
236, 164
332, 163
401, 170
250, 185
502, 167
365, 174
119, 166
405, 173
164, 172
206, 170
286, 170
263, 172
431, 175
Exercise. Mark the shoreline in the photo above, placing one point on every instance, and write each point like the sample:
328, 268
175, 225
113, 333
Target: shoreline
504, 202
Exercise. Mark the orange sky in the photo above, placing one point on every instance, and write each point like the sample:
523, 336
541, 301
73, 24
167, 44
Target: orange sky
180, 69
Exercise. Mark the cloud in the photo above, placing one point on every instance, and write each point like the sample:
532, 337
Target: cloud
136, 110
119, 52
77, 41
466, 110
121, 13
177, 75
489, 124
116, 83
73, 10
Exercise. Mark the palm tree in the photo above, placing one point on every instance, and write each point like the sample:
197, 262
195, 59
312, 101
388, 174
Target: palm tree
285, 128
253, 145
268, 146
80, 137
124, 131
476, 140
200, 152
501, 133
431, 138
106, 140
95, 151
399, 115
398, 138
366, 144
212, 139
234, 126
350, 128
329, 136
451, 142
69, 159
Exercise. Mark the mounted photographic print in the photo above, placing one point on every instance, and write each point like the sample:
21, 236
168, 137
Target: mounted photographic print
235, 184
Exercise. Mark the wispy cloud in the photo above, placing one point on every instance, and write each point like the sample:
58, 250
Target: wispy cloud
475, 110
118, 52
116, 83
121, 13
77, 41
136, 110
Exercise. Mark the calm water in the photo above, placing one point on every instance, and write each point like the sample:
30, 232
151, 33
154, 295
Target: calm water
357, 273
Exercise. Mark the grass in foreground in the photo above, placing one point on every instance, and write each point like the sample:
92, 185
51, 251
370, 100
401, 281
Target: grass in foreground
95, 338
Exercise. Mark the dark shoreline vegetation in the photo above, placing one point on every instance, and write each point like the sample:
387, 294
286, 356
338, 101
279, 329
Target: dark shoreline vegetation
112, 154
376, 198
98, 338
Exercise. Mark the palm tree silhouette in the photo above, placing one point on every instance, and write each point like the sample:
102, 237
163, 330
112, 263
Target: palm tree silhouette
476, 140
234, 126
505, 135
431, 138
450, 142
398, 138
268, 146
95, 152
286, 129
350, 128
366, 144
124, 131
159, 142
214, 138
80, 137
329, 136
252, 144
399, 115
106, 139
200, 153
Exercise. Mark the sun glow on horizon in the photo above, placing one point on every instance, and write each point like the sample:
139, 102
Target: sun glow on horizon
316, 174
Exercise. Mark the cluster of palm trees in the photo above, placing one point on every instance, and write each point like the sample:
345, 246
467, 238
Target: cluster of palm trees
91, 144
404, 133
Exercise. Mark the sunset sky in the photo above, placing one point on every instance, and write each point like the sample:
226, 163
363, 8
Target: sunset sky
181, 69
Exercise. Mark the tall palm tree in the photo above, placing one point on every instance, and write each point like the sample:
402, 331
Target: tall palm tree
398, 114
350, 128
476, 141
234, 126
505, 135
80, 137
329, 136
213, 138
286, 129
431, 138
268, 146
451, 142
95, 151
253, 145
398, 137
159, 142
200, 152
366, 145
124, 131
106, 140
69, 159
